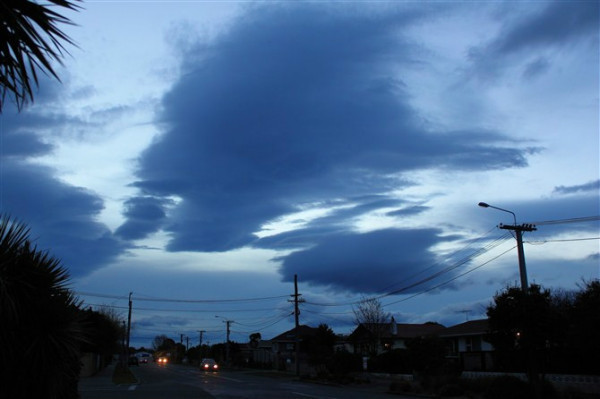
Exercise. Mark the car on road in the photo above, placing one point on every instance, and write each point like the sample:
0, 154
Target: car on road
162, 360
208, 364
143, 357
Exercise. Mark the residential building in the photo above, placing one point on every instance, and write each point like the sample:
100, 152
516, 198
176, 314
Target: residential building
467, 345
380, 337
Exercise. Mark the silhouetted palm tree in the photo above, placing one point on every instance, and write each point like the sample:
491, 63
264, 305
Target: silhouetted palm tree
30, 40
40, 333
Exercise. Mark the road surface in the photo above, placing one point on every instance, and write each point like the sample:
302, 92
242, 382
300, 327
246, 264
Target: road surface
181, 382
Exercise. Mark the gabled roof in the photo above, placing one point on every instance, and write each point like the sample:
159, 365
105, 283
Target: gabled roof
290, 335
401, 330
472, 327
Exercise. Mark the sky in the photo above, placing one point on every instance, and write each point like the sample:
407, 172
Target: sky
198, 155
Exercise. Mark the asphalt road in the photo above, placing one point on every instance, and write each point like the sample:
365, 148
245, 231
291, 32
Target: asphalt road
181, 382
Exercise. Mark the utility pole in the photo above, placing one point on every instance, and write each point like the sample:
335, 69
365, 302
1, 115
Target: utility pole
187, 343
297, 300
128, 328
124, 359
519, 229
532, 366
227, 346
200, 347
228, 332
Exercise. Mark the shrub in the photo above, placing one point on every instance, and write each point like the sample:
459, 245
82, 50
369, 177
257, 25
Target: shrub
507, 387
401, 386
396, 362
343, 362
450, 390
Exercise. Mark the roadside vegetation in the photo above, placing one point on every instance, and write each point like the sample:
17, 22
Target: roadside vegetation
44, 331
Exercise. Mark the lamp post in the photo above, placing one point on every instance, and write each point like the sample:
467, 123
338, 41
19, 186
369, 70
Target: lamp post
518, 229
532, 367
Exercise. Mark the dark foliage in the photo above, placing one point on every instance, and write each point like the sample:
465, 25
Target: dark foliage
102, 334
319, 346
41, 329
397, 361
30, 39
559, 328
343, 363
585, 325
428, 356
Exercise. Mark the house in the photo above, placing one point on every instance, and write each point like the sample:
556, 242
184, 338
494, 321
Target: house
284, 347
258, 354
380, 337
467, 345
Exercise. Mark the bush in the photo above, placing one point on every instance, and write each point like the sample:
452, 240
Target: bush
342, 363
450, 390
401, 386
507, 387
395, 362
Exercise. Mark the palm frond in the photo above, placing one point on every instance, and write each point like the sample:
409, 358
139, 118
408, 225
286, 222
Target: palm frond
30, 40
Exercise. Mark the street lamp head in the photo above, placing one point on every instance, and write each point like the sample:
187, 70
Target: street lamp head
486, 205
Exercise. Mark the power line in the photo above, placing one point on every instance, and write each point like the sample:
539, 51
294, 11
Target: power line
499, 240
150, 299
181, 310
570, 220
541, 242
452, 279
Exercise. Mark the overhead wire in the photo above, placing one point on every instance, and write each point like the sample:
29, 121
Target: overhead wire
569, 220
270, 321
541, 242
452, 279
480, 251
153, 299
137, 308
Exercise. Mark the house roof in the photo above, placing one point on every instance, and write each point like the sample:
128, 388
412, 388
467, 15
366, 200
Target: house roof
387, 330
290, 335
472, 327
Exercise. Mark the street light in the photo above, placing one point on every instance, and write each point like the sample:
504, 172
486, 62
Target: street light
532, 366
519, 236
485, 205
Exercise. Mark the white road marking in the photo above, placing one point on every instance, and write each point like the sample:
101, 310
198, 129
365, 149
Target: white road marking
132, 387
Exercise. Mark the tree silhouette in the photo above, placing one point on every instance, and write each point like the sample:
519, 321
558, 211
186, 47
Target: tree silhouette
521, 322
30, 40
584, 343
41, 322
370, 314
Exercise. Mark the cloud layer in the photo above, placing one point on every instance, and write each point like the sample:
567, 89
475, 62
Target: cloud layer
300, 107
273, 116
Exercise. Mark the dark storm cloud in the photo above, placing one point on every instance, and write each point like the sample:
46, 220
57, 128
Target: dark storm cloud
367, 262
556, 25
61, 217
337, 221
144, 216
591, 187
409, 211
559, 23
273, 115
22, 144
